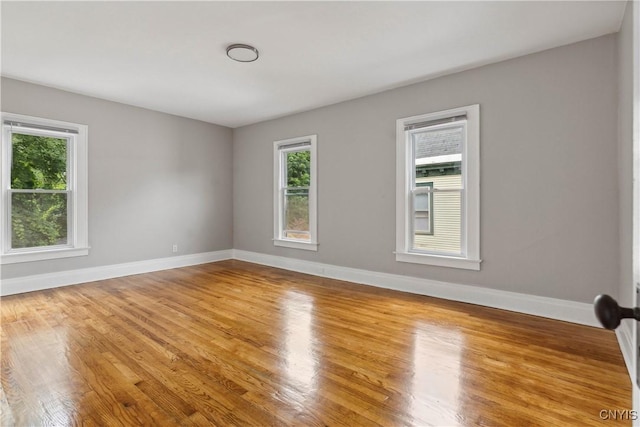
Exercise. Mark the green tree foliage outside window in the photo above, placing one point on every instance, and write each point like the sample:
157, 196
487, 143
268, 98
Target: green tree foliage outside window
299, 169
38, 218
297, 195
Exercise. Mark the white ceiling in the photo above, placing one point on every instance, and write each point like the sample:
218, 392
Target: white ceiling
170, 56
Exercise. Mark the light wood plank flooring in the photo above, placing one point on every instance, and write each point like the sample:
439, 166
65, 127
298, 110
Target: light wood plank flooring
233, 343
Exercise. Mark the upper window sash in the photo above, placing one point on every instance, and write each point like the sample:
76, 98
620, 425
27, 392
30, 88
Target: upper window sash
9, 130
461, 122
284, 174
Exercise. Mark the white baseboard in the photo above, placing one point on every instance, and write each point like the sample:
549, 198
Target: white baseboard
558, 309
74, 277
569, 311
624, 333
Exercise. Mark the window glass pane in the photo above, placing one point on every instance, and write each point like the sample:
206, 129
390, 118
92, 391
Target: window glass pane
422, 202
438, 152
445, 236
422, 223
298, 168
38, 162
422, 207
296, 214
38, 219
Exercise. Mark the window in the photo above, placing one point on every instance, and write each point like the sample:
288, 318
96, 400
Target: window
295, 206
438, 186
44, 189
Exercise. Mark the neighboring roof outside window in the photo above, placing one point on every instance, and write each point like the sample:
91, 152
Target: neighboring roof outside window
436, 143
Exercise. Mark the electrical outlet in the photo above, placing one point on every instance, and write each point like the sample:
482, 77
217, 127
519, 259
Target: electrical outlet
175, 248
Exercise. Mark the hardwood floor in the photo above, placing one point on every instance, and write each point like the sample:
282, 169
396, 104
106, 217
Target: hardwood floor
233, 343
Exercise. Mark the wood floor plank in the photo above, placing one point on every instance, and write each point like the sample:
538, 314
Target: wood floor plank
233, 343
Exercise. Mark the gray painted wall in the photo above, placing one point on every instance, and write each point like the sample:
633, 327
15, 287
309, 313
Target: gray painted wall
625, 154
549, 186
154, 179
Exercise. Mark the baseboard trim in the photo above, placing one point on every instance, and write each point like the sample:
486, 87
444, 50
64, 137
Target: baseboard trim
553, 308
73, 277
568, 311
624, 333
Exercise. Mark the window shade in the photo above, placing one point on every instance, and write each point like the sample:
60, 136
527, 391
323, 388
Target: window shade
32, 126
435, 122
295, 145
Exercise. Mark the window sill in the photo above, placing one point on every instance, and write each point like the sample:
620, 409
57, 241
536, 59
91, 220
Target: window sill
307, 246
16, 257
439, 260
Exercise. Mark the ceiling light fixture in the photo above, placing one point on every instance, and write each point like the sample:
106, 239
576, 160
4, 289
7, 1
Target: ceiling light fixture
242, 52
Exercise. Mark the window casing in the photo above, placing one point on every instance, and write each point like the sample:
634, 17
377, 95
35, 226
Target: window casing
295, 194
44, 189
438, 178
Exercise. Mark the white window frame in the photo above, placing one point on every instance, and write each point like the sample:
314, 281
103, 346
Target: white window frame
470, 221
279, 175
77, 187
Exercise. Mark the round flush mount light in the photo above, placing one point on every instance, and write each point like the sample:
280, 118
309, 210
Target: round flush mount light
242, 52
